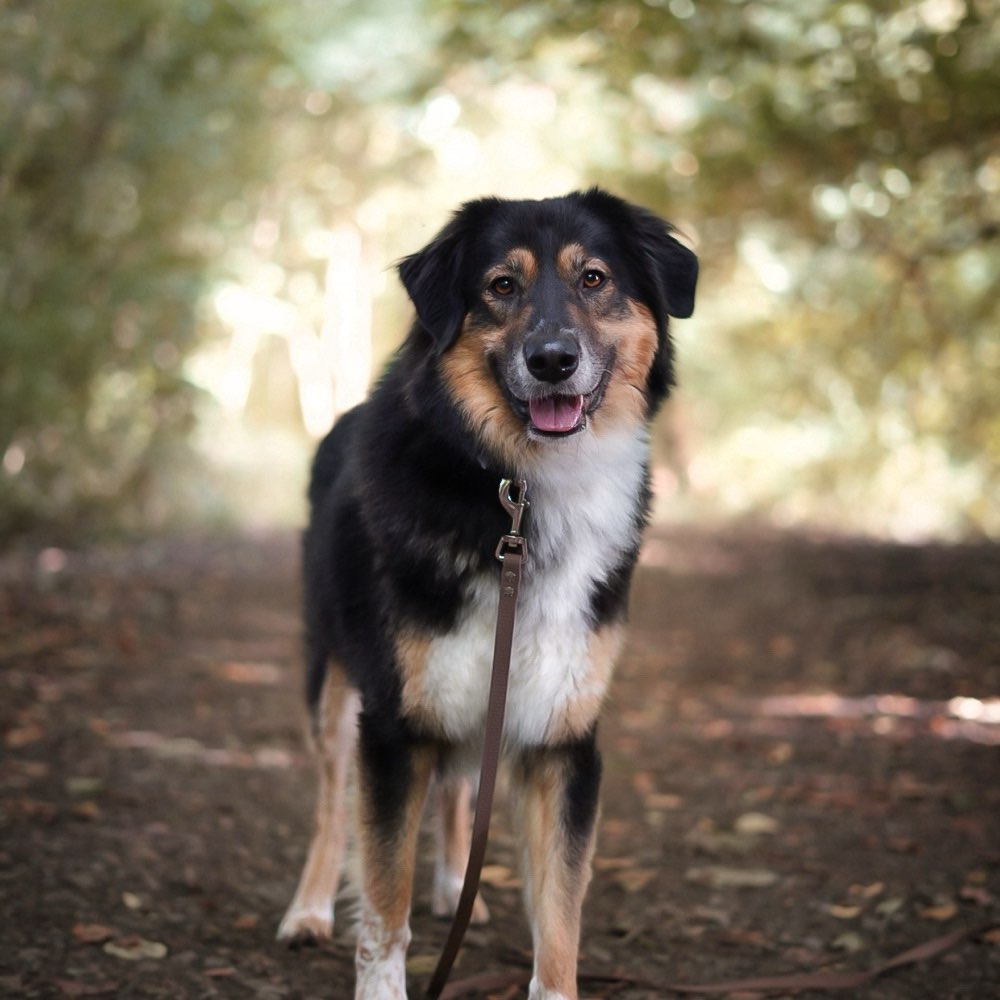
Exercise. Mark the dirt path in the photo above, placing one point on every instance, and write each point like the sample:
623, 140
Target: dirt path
801, 772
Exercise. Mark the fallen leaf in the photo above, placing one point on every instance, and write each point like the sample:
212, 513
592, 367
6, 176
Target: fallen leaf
712, 915
83, 786
92, 933
251, 673
23, 736
706, 838
976, 894
35, 769
634, 879
221, 973
941, 911
643, 783
133, 949
86, 810
755, 824
131, 901
843, 912
992, 935
663, 800
247, 922
613, 864
421, 965
849, 942
867, 891
745, 936
499, 876
722, 877
889, 906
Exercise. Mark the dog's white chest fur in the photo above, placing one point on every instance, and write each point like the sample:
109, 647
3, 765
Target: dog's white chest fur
582, 522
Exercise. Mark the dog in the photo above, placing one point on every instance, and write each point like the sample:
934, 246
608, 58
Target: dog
540, 351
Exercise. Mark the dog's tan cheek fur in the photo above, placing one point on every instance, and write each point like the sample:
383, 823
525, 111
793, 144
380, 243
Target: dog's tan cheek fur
465, 372
634, 341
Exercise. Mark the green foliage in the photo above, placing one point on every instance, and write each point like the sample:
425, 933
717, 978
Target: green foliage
147, 152
124, 139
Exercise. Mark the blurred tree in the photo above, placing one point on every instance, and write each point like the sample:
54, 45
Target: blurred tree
148, 153
128, 133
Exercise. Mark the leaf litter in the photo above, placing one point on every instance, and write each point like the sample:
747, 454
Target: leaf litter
733, 840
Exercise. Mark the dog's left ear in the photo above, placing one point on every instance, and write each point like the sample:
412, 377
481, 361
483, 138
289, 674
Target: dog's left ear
433, 280
668, 275
672, 266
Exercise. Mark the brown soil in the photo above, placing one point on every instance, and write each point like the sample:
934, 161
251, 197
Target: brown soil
790, 781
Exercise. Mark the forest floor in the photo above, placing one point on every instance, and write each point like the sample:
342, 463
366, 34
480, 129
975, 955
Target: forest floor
802, 773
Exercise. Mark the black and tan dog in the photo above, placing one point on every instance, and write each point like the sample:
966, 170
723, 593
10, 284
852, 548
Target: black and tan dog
540, 351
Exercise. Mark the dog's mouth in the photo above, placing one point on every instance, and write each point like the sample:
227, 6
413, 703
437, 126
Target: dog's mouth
557, 414
560, 414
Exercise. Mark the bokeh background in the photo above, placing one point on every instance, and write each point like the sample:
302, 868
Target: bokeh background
201, 202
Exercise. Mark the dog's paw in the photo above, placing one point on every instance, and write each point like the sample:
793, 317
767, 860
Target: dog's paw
444, 902
536, 991
304, 927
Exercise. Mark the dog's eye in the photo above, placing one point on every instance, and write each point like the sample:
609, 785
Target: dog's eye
593, 278
502, 286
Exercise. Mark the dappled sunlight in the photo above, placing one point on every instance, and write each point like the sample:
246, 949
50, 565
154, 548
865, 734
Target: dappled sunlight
962, 718
186, 749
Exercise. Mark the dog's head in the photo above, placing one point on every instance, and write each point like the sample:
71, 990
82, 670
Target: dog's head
548, 319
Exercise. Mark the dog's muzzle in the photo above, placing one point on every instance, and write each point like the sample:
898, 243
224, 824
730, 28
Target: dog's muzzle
553, 383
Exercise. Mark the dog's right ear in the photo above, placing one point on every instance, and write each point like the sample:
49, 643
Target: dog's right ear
433, 280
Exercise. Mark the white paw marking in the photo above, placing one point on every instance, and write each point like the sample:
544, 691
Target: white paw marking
305, 923
538, 992
380, 961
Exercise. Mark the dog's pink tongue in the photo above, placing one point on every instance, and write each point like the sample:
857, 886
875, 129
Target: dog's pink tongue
556, 413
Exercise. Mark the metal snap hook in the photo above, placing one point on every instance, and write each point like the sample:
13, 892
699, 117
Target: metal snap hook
515, 506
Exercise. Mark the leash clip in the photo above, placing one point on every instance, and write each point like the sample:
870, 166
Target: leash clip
515, 506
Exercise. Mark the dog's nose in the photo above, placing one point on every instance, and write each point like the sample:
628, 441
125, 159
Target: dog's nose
551, 357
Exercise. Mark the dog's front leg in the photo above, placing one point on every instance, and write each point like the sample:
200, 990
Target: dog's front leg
394, 773
556, 802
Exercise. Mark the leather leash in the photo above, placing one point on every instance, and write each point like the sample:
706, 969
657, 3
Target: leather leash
511, 552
